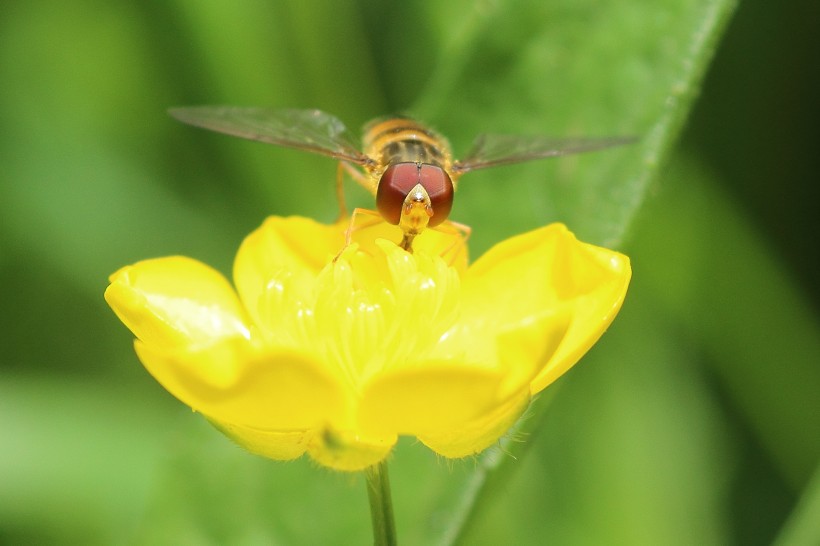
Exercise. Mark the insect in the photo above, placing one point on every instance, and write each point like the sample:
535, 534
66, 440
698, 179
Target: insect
406, 165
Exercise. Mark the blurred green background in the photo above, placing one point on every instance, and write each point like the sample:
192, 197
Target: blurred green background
696, 419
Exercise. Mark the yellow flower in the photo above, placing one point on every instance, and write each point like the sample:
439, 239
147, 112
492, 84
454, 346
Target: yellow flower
338, 358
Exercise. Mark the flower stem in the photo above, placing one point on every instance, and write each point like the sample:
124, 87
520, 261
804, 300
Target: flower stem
381, 505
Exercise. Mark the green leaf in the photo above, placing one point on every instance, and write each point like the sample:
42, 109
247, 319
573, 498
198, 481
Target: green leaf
803, 526
570, 69
711, 270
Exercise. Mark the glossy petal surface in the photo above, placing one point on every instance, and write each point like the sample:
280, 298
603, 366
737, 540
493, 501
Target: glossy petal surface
335, 352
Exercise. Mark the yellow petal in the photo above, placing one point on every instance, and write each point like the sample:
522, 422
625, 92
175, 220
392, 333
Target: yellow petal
479, 434
545, 269
601, 279
285, 255
349, 451
522, 351
429, 398
335, 351
445, 240
176, 302
525, 350
281, 446
272, 390
516, 278
281, 250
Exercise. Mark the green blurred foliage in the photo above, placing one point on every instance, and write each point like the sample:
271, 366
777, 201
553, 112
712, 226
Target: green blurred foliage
695, 421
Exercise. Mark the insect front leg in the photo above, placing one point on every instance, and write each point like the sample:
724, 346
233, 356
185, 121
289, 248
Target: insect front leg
371, 219
460, 233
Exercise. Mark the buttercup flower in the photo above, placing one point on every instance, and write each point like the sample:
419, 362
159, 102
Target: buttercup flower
337, 358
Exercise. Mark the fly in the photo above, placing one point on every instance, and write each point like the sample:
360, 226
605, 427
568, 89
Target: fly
406, 165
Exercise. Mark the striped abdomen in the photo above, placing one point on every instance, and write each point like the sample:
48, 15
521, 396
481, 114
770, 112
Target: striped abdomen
404, 140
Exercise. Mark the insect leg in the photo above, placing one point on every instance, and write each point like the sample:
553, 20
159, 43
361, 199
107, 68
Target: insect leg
357, 175
340, 190
461, 234
373, 219
361, 176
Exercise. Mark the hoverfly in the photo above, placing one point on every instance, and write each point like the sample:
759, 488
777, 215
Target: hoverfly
407, 166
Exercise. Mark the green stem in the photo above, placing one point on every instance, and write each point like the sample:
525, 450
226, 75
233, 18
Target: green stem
381, 505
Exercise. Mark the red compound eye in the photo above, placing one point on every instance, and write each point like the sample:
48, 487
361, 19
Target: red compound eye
440, 189
399, 179
395, 184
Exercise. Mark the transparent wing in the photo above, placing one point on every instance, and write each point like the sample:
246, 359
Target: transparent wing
309, 130
493, 150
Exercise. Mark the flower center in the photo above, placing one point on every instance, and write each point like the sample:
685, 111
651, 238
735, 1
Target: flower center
366, 313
